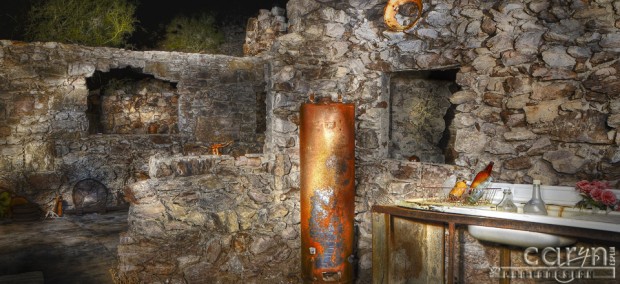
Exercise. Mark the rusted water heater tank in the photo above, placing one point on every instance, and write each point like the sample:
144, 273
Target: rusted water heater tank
327, 164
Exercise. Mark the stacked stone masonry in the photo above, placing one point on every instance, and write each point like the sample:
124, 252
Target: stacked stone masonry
142, 108
49, 137
536, 92
262, 30
221, 221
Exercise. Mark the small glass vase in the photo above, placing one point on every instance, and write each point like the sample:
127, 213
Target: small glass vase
598, 210
536, 205
507, 205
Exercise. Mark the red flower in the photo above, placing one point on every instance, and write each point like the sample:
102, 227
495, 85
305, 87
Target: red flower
601, 184
608, 198
582, 183
587, 189
595, 193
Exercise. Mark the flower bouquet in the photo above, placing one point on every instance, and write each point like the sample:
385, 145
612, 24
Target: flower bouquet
596, 195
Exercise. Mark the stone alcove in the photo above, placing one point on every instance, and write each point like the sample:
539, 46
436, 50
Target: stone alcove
127, 101
421, 115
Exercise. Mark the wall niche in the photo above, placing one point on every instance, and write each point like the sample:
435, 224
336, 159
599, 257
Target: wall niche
421, 116
127, 101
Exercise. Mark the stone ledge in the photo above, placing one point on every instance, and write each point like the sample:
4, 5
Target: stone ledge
182, 166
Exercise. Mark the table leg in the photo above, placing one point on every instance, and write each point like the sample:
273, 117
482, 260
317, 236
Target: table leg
451, 251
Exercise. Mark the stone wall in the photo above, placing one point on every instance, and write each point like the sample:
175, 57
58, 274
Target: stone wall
528, 97
189, 102
538, 90
262, 30
207, 219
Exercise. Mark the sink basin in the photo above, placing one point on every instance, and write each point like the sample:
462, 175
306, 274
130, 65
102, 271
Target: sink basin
518, 238
557, 215
561, 215
560, 207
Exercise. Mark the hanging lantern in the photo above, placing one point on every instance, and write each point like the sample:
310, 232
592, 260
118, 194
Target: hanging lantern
392, 11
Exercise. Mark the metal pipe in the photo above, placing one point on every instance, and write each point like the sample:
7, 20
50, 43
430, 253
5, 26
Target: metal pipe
327, 175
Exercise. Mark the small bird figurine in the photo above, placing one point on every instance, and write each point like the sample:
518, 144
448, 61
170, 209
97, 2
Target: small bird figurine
481, 176
458, 190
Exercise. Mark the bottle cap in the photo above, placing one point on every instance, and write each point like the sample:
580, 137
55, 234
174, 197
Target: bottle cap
537, 181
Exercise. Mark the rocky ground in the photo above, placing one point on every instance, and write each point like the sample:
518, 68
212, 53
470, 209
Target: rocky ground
71, 249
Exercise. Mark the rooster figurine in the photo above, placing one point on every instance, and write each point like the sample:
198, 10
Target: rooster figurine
480, 183
481, 177
215, 148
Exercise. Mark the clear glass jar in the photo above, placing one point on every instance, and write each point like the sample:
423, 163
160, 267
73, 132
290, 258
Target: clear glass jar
507, 205
477, 193
536, 205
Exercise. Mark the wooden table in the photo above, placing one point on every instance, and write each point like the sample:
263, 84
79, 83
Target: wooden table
391, 224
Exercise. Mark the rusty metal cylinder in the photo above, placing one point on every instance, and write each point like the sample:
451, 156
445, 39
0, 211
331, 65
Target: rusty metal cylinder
327, 164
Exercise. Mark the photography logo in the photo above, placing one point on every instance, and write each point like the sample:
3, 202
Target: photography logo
563, 264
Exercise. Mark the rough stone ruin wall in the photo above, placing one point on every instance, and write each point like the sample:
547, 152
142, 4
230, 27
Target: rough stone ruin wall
262, 30
538, 93
50, 140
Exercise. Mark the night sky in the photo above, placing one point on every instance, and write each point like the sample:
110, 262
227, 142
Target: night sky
151, 14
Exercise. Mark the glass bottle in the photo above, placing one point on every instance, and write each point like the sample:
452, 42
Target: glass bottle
507, 205
536, 205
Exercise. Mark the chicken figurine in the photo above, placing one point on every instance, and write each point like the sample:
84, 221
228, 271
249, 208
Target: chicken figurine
476, 191
457, 191
481, 177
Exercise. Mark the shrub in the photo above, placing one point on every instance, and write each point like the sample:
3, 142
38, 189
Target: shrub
87, 22
192, 34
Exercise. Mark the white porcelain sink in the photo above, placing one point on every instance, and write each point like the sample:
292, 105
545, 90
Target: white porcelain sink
561, 212
558, 215
560, 202
518, 238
